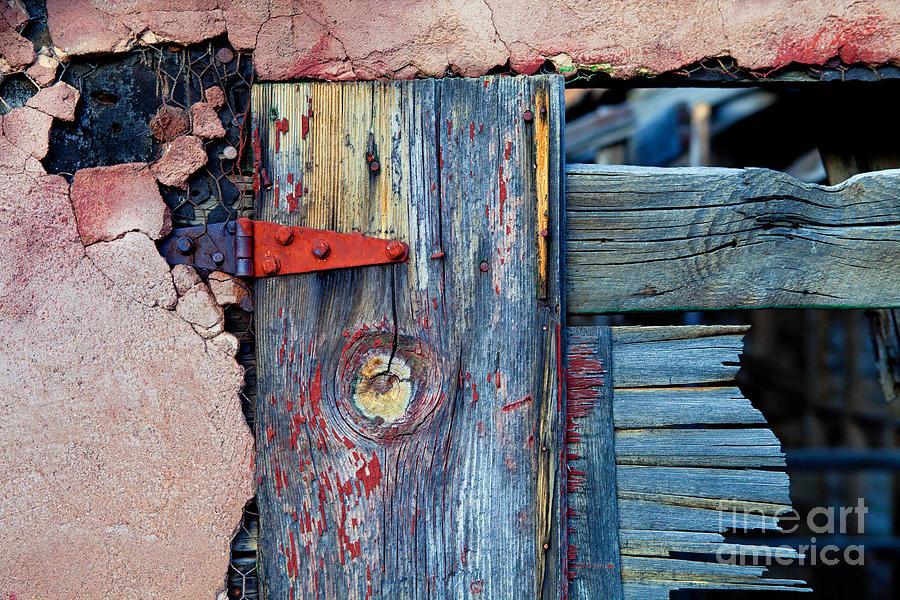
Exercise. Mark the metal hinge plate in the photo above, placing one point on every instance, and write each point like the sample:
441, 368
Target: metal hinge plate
248, 248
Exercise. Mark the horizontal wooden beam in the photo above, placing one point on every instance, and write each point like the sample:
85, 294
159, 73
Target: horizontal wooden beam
644, 238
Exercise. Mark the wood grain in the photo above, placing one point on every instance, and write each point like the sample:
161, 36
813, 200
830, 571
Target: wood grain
642, 238
594, 565
408, 415
687, 460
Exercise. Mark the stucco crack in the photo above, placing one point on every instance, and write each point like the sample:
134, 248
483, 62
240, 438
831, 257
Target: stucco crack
497, 31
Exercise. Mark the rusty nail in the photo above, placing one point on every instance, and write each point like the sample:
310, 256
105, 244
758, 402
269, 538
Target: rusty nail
264, 175
284, 236
185, 245
395, 250
546, 546
439, 254
225, 55
374, 166
544, 233
528, 116
271, 265
218, 258
543, 110
321, 249
484, 266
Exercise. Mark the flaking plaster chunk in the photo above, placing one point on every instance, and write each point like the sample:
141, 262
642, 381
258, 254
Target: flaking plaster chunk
78, 27
110, 201
198, 307
226, 343
58, 100
210, 332
28, 129
169, 122
205, 122
16, 52
134, 265
180, 159
185, 277
121, 428
228, 289
215, 96
43, 69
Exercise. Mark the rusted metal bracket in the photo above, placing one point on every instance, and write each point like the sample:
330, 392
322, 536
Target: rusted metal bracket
249, 248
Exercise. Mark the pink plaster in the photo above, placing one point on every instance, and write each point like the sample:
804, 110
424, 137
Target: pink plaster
370, 39
180, 158
125, 461
110, 201
58, 100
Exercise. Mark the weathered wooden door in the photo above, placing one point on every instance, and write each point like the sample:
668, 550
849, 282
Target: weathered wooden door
434, 429
409, 415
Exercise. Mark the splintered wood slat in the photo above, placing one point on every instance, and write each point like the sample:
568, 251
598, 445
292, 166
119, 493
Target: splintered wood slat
686, 466
408, 415
643, 238
665, 406
594, 567
663, 356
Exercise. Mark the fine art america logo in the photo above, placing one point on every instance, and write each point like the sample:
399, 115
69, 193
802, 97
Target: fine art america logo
821, 520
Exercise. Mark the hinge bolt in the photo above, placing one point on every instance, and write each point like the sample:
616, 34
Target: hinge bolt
284, 236
271, 265
185, 245
218, 258
321, 249
528, 116
395, 250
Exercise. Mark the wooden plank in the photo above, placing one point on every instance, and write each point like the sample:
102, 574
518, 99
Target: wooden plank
649, 542
750, 448
399, 405
687, 458
640, 568
593, 541
642, 514
642, 238
733, 484
662, 356
667, 406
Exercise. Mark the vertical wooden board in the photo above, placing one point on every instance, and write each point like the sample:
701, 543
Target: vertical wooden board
400, 405
594, 565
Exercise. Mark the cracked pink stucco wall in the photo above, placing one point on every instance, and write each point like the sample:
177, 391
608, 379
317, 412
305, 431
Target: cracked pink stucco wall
125, 459
401, 39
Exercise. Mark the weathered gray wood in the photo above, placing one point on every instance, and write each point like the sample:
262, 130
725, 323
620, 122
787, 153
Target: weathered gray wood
641, 238
665, 406
369, 489
660, 590
734, 484
668, 436
593, 541
639, 568
661, 356
650, 542
699, 447
641, 514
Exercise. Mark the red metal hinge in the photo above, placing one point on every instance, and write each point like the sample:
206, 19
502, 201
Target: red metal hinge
249, 248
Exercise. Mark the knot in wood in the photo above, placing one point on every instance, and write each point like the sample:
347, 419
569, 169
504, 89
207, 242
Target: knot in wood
389, 386
382, 389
